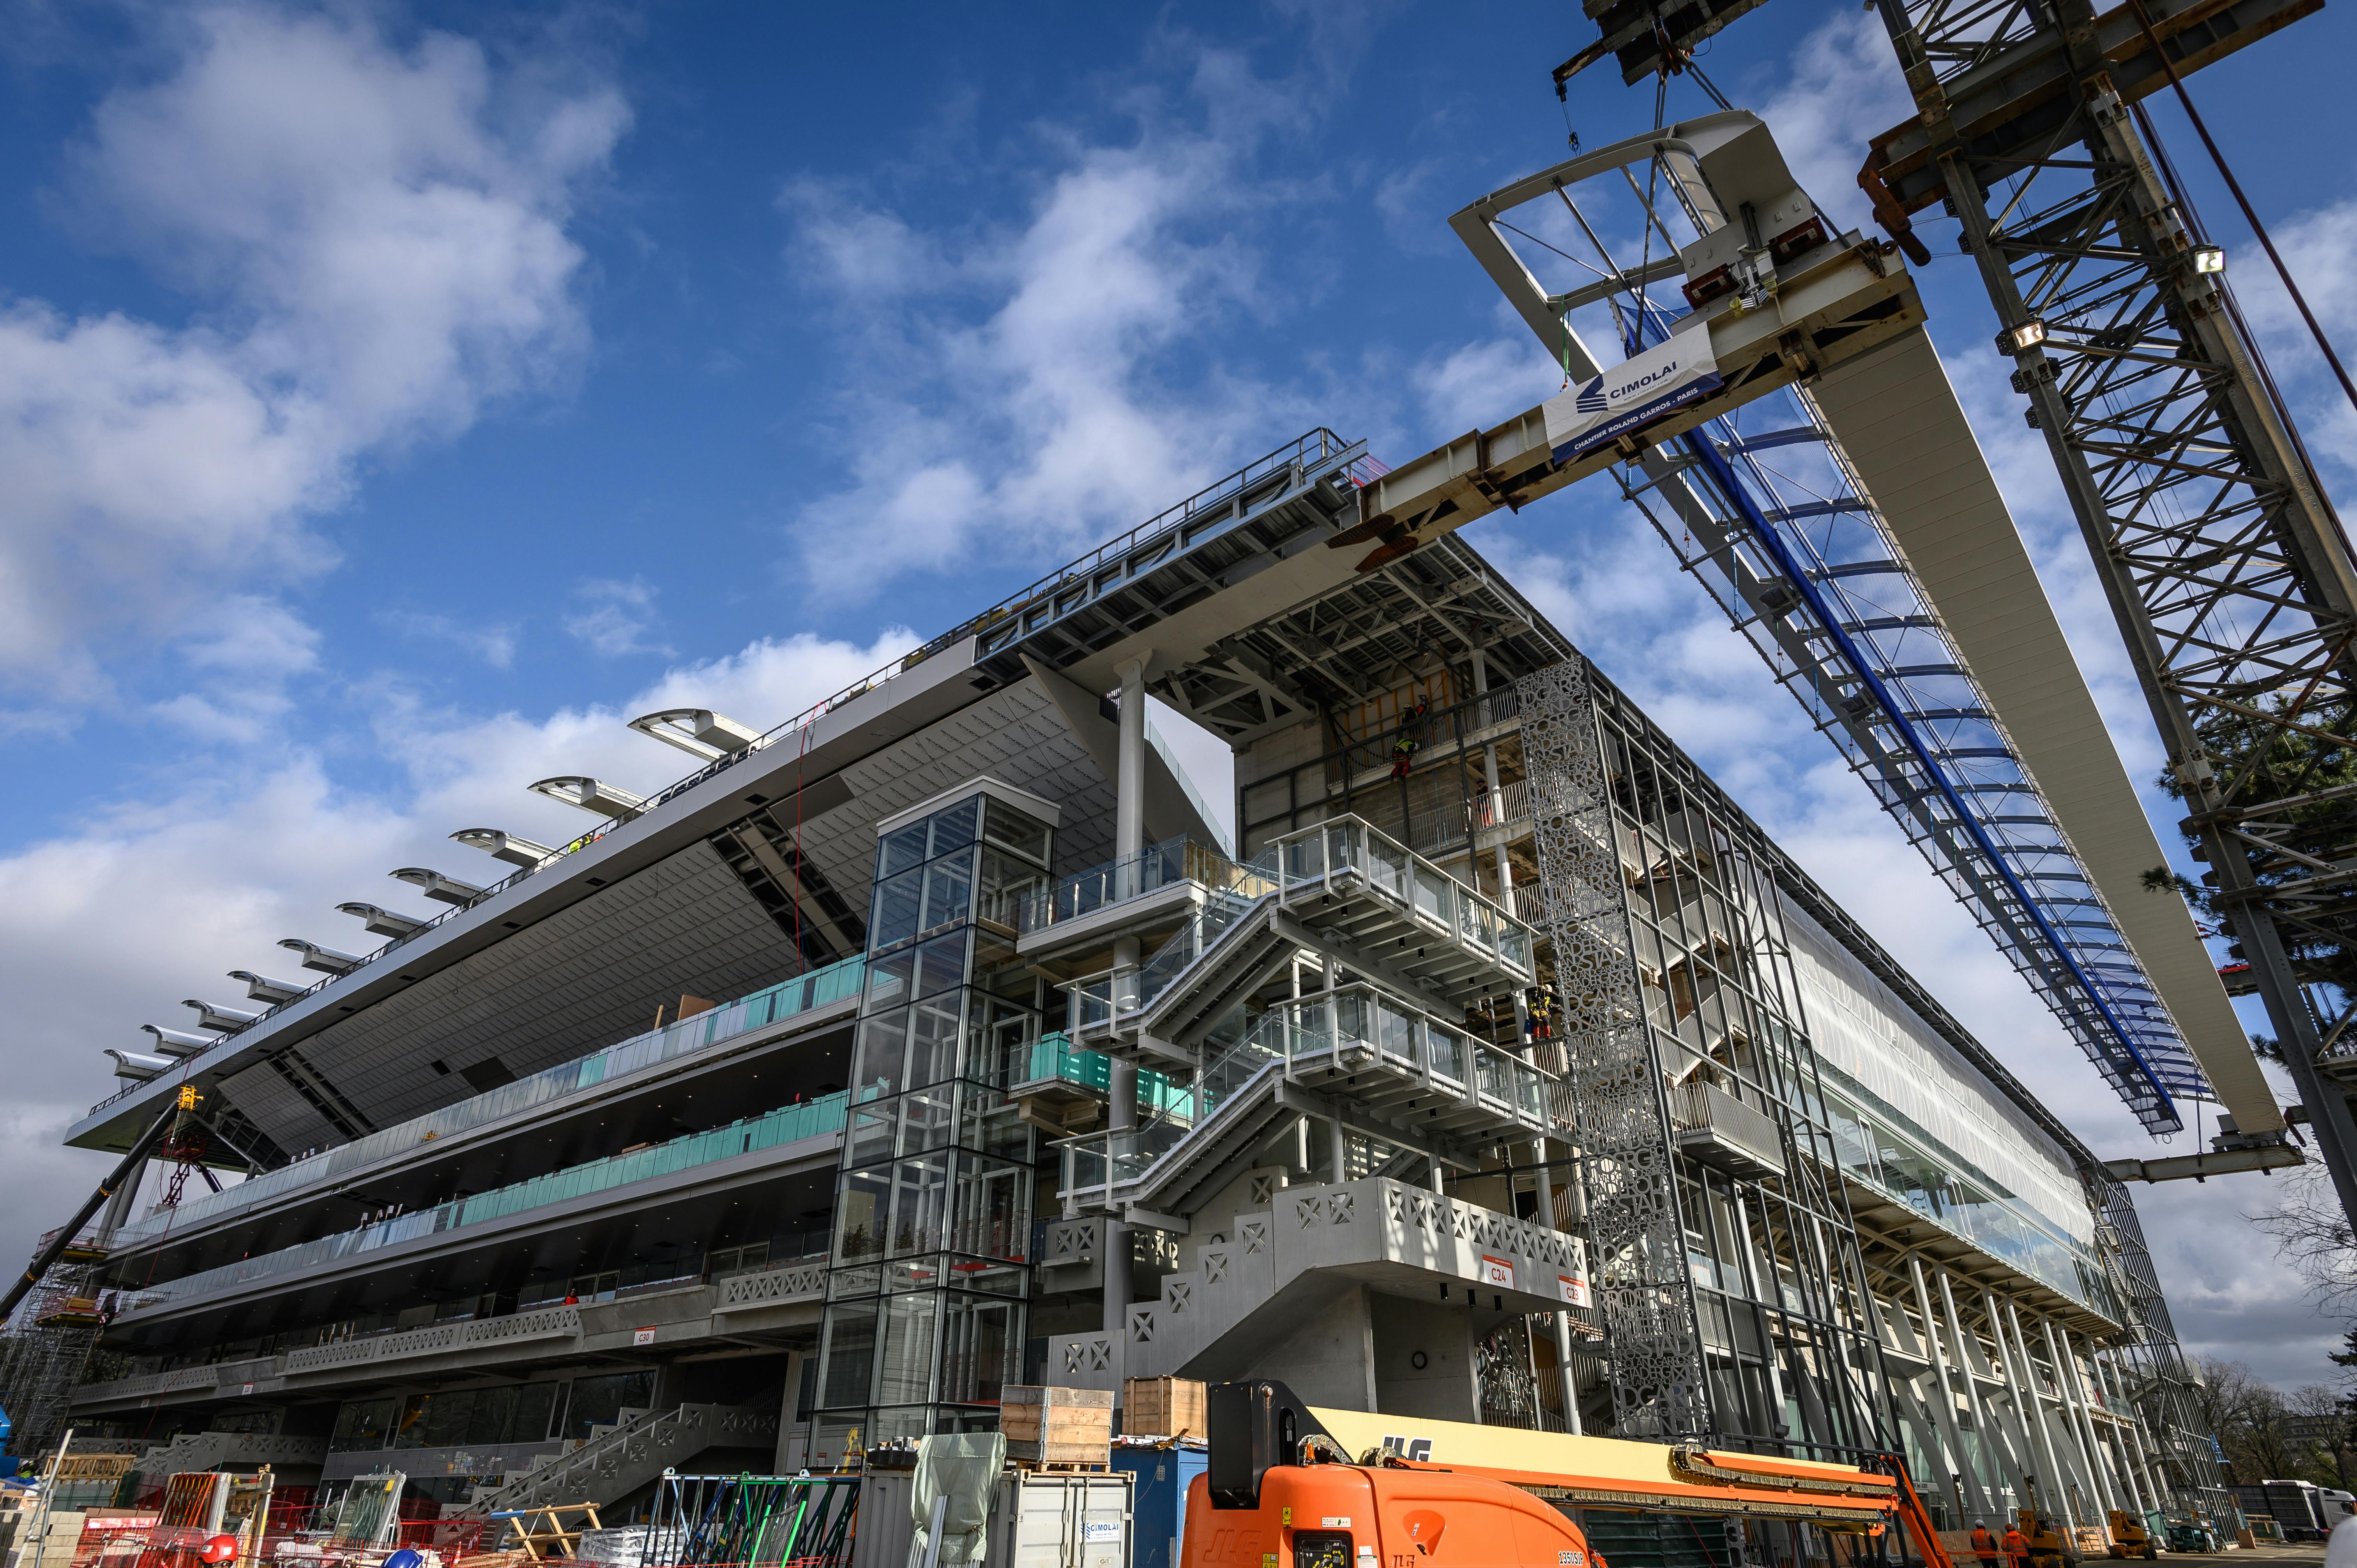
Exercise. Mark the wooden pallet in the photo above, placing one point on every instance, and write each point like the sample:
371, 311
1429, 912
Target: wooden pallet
543, 1533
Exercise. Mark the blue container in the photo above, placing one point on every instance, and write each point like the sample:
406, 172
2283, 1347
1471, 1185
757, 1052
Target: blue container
1159, 1505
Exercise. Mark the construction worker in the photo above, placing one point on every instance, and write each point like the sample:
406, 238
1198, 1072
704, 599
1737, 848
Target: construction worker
1405, 748
1984, 1545
2017, 1547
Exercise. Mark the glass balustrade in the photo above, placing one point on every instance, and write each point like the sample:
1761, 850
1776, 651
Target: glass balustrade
1293, 1036
786, 1124
1055, 1057
1165, 864
804, 992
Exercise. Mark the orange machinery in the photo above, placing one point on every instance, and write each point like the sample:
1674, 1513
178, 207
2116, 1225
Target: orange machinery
1292, 1486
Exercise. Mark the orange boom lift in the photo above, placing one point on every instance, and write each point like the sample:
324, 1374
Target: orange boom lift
1293, 1486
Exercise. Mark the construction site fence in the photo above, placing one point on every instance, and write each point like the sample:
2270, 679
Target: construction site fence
105, 1545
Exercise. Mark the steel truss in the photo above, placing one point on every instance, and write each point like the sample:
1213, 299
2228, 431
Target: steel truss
2225, 567
1764, 507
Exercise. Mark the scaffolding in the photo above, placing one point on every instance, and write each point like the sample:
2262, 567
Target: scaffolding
44, 1352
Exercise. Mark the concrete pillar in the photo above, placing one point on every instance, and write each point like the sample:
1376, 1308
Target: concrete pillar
1982, 1434
1489, 782
1129, 788
2025, 1379
1440, 1176
1121, 1116
1337, 1148
2074, 1395
1561, 1320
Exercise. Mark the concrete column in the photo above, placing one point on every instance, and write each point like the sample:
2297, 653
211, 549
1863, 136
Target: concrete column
2075, 1394
1337, 1148
1121, 1116
1440, 1176
1562, 1318
2027, 1381
1129, 789
1984, 1438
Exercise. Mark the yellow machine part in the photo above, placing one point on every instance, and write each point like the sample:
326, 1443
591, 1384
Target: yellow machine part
1609, 1471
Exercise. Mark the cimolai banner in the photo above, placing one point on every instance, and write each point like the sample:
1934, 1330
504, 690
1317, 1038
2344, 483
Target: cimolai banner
1632, 394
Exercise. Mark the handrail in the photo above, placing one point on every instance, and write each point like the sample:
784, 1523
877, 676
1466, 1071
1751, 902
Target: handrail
1364, 1019
730, 1020
1327, 445
1305, 857
786, 1124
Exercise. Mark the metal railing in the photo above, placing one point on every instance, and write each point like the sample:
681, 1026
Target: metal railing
1289, 867
806, 992
1165, 864
1319, 440
1360, 1024
786, 1124
1315, 445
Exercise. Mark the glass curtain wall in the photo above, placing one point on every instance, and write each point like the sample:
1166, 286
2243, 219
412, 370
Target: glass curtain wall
928, 1276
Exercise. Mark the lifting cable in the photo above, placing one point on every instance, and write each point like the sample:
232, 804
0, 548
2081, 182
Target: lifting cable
2250, 215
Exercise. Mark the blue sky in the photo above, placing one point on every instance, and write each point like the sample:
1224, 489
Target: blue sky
395, 398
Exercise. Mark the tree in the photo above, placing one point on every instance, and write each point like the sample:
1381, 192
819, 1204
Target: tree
2269, 1436
2313, 1236
2284, 764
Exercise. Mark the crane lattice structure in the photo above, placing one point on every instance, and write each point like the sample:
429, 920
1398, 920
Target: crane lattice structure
2224, 564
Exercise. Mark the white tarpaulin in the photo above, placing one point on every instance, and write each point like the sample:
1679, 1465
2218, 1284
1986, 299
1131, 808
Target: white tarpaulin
1632, 394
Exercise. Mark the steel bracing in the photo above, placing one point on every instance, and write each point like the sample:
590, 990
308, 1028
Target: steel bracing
2159, 1382
1765, 508
2228, 573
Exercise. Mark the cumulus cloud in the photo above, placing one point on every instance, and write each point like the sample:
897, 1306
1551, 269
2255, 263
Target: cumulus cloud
373, 236
1023, 388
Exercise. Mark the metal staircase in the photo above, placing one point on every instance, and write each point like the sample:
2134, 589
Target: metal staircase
1327, 983
632, 1454
1340, 894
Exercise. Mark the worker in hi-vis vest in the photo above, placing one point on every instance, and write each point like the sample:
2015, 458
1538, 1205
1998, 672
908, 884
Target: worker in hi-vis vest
2017, 1547
1984, 1545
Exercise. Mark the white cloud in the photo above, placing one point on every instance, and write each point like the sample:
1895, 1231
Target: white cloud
375, 237
108, 925
1035, 367
1476, 385
1839, 89
618, 614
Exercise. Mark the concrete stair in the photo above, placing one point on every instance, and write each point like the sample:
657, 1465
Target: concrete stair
1273, 1267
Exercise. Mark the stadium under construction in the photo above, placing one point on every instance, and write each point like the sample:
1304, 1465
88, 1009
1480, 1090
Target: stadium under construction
1476, 1059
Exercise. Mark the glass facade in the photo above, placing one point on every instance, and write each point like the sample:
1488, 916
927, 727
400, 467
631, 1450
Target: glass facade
1882, 1146
929, 1277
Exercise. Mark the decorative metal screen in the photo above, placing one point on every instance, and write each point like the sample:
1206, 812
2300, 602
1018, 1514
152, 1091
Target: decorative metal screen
1615, 1117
